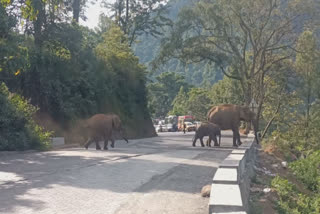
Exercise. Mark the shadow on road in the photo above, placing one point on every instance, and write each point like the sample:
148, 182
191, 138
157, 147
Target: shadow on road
143, 167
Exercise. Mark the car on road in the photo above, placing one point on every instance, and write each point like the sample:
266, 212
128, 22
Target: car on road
190, 126
161, 128
172, 127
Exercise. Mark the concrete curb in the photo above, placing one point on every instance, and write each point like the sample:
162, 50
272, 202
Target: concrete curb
230, 187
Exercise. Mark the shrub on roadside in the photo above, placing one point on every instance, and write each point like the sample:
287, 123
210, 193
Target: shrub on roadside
292, 201
17, 129
308, 171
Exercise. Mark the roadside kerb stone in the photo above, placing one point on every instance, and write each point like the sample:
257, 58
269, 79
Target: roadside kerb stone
231, 213
231, 182
57, 141
226, 176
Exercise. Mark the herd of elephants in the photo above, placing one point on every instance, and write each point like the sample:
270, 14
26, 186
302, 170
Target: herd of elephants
222, 117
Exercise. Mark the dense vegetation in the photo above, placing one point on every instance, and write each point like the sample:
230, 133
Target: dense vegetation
269, 52
68, 71
18, 130
148, 47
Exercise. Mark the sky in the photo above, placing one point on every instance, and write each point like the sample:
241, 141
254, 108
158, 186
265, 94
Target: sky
92, 13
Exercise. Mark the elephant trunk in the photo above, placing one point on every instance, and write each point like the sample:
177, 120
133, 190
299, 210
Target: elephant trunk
122, 135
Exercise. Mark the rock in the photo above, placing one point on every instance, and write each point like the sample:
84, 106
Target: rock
284, 164
266, 190
258, 169
270, 173
275, 165
205, 191
255, 189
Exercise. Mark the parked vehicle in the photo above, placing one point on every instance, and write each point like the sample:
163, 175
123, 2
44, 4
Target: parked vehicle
190, 126
183, 119
172, 127
161, 128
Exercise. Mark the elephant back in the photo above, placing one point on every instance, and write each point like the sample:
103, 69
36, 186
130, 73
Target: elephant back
225, 116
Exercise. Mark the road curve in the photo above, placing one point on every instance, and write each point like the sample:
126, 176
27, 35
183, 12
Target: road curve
155, 175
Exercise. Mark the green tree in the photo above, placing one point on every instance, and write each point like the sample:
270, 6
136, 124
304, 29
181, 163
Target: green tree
163, 92
18, 130
246, 39
179, 104
226, 91
138, 17
199, 103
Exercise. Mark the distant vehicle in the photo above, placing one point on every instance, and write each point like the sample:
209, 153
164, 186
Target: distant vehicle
157, 128
161, 128
190, 126
172, 127
171, 119
183, 119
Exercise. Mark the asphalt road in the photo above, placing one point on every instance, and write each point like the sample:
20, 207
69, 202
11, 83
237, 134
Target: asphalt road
156, 175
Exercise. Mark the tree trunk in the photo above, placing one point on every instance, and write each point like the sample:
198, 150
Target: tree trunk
126, 30
76, 10
39, 23
271, 120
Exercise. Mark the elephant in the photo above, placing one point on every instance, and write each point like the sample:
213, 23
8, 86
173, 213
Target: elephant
207, 129
228, 116
103, 127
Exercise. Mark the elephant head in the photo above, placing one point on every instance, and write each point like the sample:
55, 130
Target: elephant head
249, 116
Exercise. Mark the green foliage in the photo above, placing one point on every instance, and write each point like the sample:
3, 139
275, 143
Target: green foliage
293, 201
180, 103
292, 103
226, 91
18, 130
308, 171
199, 103
163, 92
147, 48
138, 17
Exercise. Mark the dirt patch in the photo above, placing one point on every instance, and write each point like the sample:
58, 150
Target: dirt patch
261, 202
268, 165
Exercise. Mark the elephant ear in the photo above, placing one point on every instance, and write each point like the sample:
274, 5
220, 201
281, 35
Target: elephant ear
116, 122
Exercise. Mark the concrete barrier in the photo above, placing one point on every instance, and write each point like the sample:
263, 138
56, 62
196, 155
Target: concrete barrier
57, 141
231, 183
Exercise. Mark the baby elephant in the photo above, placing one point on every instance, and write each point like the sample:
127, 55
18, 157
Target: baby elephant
207, 129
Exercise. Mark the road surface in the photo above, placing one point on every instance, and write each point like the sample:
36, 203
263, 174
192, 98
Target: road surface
156, 175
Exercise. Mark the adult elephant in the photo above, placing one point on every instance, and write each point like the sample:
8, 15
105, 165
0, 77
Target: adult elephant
228, 116
103, 127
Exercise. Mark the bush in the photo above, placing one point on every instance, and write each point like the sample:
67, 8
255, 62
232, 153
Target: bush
18, 130
291, 201
308, 171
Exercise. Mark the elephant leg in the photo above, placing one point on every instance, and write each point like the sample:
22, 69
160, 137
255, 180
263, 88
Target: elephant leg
209, 141
201, 140
194, 141
105, 147
235, 131
97, 145
89, 141
238, 139
112, 142
215, 141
